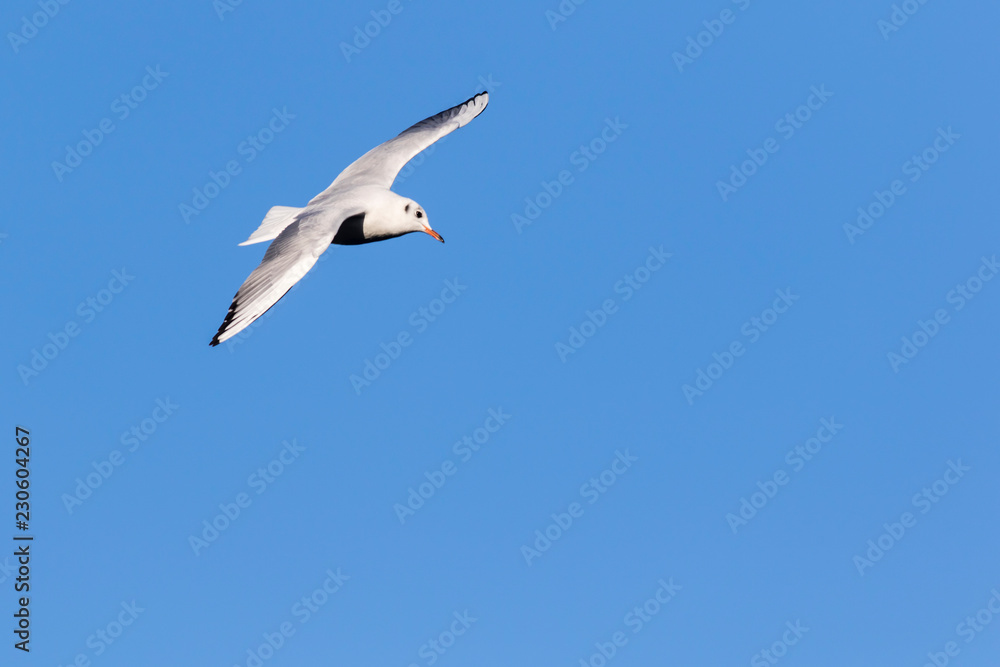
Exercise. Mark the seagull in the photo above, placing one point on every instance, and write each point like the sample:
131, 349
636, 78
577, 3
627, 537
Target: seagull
358, 207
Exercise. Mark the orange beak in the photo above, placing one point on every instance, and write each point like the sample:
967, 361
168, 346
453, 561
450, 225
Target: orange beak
434, 234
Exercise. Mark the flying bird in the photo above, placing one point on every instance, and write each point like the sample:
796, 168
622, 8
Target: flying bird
358, 207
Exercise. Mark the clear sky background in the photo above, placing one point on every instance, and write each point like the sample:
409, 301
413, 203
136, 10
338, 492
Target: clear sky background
670, 524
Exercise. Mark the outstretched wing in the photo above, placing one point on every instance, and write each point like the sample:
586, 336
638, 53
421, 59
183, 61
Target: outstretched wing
380, 165
288, 258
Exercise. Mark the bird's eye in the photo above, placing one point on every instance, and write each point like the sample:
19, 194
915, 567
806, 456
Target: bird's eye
420, 214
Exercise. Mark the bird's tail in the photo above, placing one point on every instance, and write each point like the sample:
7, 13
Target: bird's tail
274, 223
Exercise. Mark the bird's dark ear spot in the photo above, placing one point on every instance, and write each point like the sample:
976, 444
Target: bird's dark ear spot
407, 209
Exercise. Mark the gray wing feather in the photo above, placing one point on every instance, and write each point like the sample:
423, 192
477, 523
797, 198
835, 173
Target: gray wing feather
380, 165
287, 260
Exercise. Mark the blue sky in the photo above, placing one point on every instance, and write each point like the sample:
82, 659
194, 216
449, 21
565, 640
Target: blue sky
704, 374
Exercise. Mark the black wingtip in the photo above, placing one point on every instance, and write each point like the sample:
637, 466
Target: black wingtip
476, 97
215, 339
225, 322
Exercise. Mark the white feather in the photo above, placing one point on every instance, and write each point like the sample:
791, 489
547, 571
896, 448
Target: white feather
275, 221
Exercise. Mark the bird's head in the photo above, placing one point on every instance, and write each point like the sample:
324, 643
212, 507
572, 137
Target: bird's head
417, 219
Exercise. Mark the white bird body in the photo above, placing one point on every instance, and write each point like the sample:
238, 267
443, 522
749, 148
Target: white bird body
358, 207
